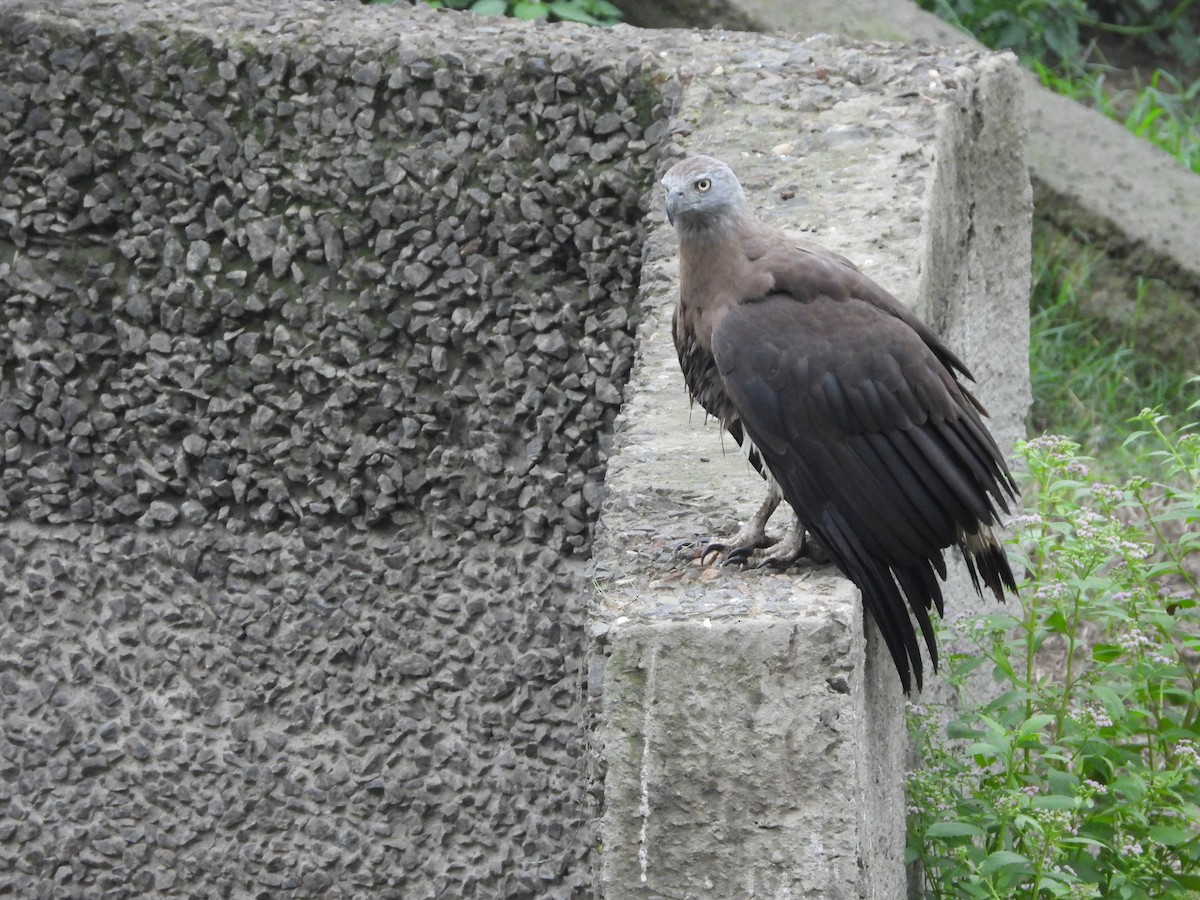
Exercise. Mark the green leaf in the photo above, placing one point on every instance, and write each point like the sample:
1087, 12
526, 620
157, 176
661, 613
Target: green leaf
602, 9
1191, 882
1062, 782
1035, 724
1106, 653
954, 829
1129, 785
959, 729
489, 7
1113, 704
1080, 842
530, 9
1000, 860
1170, 835
979, 748
571, 11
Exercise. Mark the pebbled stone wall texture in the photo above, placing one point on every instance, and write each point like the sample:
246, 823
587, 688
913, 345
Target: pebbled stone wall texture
315, 321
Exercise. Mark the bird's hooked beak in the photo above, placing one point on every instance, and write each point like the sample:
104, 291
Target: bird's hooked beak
674, 198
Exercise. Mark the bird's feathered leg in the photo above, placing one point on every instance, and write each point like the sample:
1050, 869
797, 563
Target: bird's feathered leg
750, 537
737, 549
753, 547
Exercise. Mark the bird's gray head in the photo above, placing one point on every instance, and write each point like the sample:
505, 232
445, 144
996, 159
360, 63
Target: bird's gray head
703, 196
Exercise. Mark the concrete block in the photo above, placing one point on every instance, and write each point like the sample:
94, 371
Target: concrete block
750, 738
1092, 177
743, 759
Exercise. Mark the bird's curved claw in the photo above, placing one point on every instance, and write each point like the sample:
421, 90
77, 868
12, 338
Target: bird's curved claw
738, 556
691, 549
701, 548
709, 552
776, 562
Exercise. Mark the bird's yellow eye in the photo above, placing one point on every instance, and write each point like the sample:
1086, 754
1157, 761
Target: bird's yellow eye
703, 185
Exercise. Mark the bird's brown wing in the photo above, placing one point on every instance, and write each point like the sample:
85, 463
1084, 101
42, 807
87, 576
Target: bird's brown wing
879, 450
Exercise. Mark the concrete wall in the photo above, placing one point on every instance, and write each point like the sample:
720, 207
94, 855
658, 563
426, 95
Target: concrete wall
317, 320
315, 324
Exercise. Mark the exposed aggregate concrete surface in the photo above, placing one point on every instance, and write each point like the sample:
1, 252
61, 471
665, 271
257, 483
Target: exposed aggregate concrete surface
316, 319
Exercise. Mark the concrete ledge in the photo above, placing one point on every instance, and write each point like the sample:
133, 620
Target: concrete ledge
751, 742
314, 320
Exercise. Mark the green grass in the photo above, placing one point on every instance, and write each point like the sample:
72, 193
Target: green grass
1090, 372
1105, 343
1163, 111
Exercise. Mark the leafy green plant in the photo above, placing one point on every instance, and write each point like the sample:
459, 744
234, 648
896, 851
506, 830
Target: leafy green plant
590, 12
1057, 31
1162, 26
1050, 38
1082, 777
1033, 28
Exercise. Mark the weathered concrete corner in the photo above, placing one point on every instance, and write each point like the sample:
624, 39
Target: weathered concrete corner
1094, 181
725, 744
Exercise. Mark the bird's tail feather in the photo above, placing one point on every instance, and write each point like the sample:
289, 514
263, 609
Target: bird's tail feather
987, 562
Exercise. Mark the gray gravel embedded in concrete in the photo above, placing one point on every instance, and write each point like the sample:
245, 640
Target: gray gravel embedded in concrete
352, 297
316, 319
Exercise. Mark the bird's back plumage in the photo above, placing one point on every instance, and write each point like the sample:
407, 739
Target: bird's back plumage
853, 404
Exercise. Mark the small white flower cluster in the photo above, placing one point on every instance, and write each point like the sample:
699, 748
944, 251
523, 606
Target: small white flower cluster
1025, 520
1134, 549
1089, 524
1136, 642
1006, 803
1092, 715
1135, 639
1107, 493
1056, 445
1077, 467
1185, 751
1130, 847
1057, 820
1055, 590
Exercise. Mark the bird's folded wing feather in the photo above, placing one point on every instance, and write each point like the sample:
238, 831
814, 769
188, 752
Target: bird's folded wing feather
878, 449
